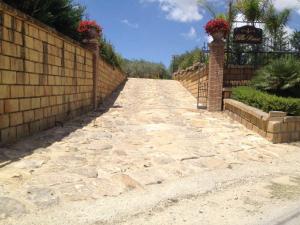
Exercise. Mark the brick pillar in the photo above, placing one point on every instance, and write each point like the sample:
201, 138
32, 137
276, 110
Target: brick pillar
215, 77
93, 45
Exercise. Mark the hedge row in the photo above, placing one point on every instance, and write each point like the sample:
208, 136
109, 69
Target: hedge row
266, 102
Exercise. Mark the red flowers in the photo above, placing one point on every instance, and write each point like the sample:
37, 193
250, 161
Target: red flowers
217, 25
86, 26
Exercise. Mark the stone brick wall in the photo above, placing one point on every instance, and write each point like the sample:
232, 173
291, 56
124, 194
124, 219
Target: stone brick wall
215, 76
277, 127
235, 75
110, 78
45, 77
193, 79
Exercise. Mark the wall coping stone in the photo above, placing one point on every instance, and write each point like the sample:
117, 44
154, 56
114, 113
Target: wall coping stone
292, 119
191, 68
252, 110
277, 114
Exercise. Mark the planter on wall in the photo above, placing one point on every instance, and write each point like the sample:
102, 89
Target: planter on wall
218, 36
92, 33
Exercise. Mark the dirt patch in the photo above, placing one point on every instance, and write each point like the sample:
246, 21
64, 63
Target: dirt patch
286, 191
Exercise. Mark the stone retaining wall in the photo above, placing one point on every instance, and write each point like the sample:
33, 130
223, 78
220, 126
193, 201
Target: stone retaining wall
234, 76
277, 127
45, 77
193, 79
109, 80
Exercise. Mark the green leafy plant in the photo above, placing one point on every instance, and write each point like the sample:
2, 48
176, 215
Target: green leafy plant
252, 9
266, 102
215, 14
108, 53
281, 77
145, 69
275, 23
187, 59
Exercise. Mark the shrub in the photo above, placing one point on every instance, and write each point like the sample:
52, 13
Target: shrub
266, 102
187, 59
281, 77
108, 53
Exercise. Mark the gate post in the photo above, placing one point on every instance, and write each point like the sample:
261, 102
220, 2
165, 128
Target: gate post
93, 45
215, 76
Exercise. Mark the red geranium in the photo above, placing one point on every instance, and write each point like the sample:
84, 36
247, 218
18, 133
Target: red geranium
86, 25
217, 25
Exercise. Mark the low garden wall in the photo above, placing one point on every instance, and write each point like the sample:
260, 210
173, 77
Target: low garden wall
45, 77
277, 127
194, 79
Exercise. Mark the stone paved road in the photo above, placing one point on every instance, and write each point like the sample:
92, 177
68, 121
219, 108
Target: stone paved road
152, 158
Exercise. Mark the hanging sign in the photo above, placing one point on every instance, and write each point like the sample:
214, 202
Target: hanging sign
248, 35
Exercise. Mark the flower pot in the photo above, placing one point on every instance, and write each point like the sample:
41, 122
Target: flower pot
92, 33
218, 36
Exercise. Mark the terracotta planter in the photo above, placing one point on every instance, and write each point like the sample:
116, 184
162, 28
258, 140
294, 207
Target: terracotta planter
92, 33
218, 36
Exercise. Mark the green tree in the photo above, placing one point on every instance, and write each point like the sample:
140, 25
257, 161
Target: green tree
144, 69
187, 59
253, 10
275, 23
108, 53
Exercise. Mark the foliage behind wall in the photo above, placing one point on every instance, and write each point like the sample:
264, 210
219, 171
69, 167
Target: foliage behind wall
144, 69
187, 59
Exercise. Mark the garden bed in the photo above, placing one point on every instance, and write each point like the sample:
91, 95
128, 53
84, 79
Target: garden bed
266, 102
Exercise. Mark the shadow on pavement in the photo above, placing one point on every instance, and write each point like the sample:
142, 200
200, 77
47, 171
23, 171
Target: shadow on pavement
16, 151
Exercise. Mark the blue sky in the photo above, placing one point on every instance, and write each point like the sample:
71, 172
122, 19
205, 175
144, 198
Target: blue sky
157, 29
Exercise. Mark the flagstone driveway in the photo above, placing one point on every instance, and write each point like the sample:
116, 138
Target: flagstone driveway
151, 158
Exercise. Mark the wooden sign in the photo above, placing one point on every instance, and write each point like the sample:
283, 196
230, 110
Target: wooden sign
248, 35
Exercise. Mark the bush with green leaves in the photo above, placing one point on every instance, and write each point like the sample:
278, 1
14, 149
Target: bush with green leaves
251, 9
266, 102
108, 53
187, 59
145, 69
280, 77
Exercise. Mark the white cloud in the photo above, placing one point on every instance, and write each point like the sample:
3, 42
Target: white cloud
180, 10
191, 35
290, 4
289, 30
240, 17
132, 25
